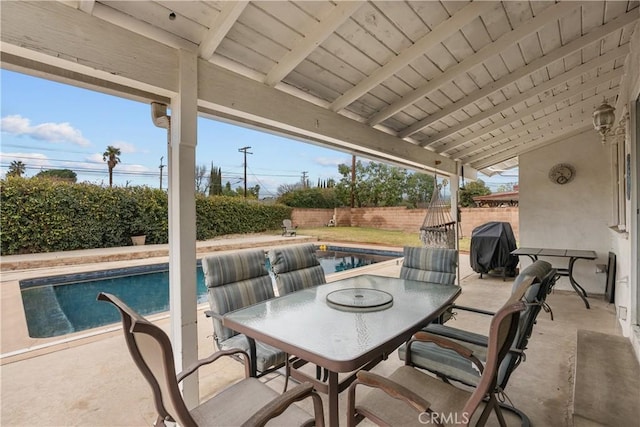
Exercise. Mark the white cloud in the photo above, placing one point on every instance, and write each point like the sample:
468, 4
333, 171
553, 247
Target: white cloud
332, 161
31, 160
125, 147
51, 132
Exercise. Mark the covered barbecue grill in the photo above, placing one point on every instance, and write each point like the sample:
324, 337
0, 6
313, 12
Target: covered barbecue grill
491, 246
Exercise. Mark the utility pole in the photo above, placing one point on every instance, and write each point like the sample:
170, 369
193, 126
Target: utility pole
244, 150
161, 167
304, 179
353, 180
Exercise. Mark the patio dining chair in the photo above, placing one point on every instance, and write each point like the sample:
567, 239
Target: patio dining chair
436, 265
294, 268
248, 402
234, 281
452, 367
410, 396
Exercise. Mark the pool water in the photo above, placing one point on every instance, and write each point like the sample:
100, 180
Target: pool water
61, 305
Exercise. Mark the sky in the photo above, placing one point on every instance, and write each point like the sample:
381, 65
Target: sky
49, 125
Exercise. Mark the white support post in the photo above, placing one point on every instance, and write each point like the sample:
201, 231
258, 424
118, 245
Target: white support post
454, 183
182, 223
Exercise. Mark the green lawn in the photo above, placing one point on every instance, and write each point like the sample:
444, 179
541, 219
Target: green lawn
370, 235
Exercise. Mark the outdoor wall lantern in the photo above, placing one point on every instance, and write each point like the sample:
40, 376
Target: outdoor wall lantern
603, 120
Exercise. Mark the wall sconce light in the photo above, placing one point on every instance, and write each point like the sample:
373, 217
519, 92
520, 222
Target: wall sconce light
603, 120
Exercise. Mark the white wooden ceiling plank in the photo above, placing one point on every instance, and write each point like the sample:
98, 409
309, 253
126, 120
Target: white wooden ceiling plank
322, 75
431, 13
518, 12
267, 26
316, 35
512, 57
524, 84
592, 15
404, 18
311, 86
611, 41
530, 47
465, 84
549, 101
425, 67
480, 56
157, 15
314, 8
497, 69
480, 75
410, 76
471, 110
452, 91
363, 41
113, 16
253, 41
292, 15
219, 27
441, 58
337, 65
458, 46
550, 38
571, 26
395, 85
555, 69
251, 59
497, 22
476, 34
349, 54
613, 9
202, 12
538, 77
381, 28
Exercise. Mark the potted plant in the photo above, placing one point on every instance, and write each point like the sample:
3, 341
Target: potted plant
138, 233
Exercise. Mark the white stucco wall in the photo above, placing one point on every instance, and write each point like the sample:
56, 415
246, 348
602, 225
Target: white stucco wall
575, 215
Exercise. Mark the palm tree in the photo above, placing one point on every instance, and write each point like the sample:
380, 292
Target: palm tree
16, 168
112, 157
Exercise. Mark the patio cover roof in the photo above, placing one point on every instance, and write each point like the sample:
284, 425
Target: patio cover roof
407, 82
425, 85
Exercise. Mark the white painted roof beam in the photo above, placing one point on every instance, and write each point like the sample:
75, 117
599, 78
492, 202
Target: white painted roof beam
537, 64
550, 84
544, 18
318, 34
560, 117
575, 129
220, 26
437, 35
606, 77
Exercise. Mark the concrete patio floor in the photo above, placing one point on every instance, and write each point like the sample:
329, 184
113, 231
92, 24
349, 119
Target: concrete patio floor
91, 380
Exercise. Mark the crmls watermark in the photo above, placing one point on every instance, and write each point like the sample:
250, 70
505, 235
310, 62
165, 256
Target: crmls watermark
443, 418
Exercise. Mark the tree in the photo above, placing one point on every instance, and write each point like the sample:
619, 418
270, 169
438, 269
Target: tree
202, 184
471, 189
503, 188
215, 181
377, 184
112, 157
16, 168
58, 174
419, 189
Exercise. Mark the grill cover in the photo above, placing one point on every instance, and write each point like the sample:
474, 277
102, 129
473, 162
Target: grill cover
491, 246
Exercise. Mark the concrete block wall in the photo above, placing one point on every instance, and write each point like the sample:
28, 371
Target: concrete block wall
400, 218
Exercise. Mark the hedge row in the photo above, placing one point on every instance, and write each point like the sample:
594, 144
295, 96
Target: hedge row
41, 215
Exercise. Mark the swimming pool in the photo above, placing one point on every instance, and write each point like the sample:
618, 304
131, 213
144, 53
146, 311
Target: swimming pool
59, 305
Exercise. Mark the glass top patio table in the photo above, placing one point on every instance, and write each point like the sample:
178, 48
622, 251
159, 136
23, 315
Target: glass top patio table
305, 325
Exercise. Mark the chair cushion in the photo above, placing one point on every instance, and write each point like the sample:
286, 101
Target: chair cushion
233, 296
266, 355
228, 268
292, 258
538, 269
435, 265
295, 268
